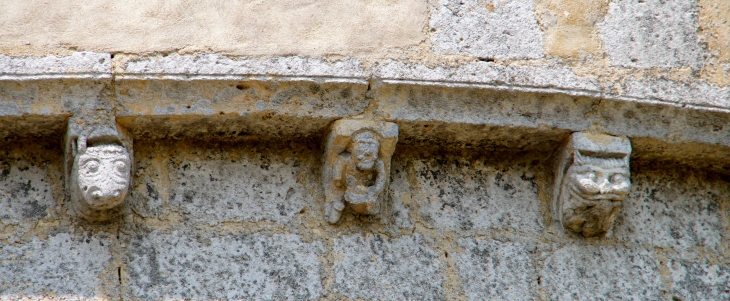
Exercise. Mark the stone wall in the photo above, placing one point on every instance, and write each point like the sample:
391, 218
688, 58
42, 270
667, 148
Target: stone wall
229, 103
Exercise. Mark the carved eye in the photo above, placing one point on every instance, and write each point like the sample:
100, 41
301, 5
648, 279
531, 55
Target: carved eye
91, 166
617, 178
121, 166
591, 175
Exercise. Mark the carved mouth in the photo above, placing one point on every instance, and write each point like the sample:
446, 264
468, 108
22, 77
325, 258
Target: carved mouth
606, 197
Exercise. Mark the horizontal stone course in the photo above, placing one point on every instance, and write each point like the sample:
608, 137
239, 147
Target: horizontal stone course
64, 266
376, 267
490, 269
588, 272
199, 266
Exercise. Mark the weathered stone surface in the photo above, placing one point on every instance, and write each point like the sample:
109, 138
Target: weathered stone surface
239, 27
356, 166
674, 210
376, 267
586, 272
77, 65
215, 66
99, 165
471, 196
652, 33
495, 29
183, 265
61, 267
493, 270
26, 193
695, 281
230, 186
591, 180
569, 26
26, 197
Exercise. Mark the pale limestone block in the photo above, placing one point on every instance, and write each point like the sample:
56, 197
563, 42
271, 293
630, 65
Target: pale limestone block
592, 179
494, 270
98, 171
695, 281
493, 29
63, 266
587, 272
375, 267
357, 166
183, 265
652, 33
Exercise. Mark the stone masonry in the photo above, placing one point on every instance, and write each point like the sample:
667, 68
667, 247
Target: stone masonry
365, 150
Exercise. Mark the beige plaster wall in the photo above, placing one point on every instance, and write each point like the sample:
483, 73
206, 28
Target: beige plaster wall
306, 27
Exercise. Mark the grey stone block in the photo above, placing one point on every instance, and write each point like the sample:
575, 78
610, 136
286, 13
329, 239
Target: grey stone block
466, 196
695, 281
62, 267
197, 266
652, 33
585, 272
374, 267
26, 196
495, 29
673, 210
493, 270
252, 188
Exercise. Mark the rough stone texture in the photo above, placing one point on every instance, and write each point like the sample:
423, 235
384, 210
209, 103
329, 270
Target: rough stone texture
240, 27
569, 26
494, 270
356, 167
699, 281
228, 104
585, 272
377, 267
180, 265
230, 186
459, 195
61, 267
77, 65
487, 29
26, 194
675, 210
652, 33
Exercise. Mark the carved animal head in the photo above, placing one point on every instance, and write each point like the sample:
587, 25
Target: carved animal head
364, 148
102, 174
593, 189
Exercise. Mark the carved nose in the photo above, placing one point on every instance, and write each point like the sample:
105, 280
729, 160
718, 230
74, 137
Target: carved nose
101, 196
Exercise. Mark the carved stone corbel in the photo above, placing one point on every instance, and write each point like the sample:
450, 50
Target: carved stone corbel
592, 179
357, 166
98, 170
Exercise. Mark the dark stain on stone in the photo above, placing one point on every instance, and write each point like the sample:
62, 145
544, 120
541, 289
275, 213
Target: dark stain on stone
33, 210
188, 196
152, 192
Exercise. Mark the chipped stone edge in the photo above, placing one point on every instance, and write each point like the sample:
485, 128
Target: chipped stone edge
79, 65
696, 95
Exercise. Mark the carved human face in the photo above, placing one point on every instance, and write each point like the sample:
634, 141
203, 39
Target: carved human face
103, 175
365, 153
595, 191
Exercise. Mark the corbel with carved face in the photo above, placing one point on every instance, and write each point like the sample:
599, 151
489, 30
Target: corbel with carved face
98, 171
592, 179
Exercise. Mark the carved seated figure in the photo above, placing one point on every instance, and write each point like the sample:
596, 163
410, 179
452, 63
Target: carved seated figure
361, 174
594, 182
99, 178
